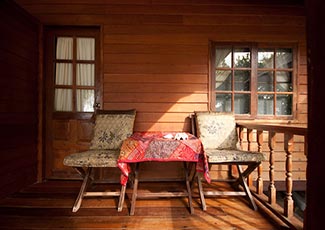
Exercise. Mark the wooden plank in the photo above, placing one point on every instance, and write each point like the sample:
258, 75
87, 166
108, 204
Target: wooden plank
66, 8
54, 211
158, 107
153, 88
154, 97
164, 127
193, 30
155, 49
284, 20
153, 39
162, 117
165, 59
155, 69
156, 78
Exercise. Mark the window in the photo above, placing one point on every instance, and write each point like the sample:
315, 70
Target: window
253, 81
74, 74
73, 62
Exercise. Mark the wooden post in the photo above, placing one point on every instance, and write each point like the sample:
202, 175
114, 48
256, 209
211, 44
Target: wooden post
249, 148
288, 201
272, 189
259, 181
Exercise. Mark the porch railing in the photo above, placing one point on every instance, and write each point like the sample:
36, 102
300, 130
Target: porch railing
283, 213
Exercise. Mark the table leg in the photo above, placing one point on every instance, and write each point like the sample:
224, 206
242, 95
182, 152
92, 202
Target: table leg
135, 189
188, 186
199, 182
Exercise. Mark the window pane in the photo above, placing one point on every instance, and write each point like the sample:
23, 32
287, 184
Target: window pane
86, 74
265, 104
242, 80
265, 58
265, 81
223, 102
63, 74
85, 49
242, 57
64, 47
223, 80
242, 103
223, 57
284, 81
283, 104
85, 100
63, 100
283, 58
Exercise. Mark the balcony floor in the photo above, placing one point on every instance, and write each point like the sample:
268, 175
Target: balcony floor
48, 206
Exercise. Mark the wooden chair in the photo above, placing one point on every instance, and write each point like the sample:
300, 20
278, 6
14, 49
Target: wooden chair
111, 128
219, 137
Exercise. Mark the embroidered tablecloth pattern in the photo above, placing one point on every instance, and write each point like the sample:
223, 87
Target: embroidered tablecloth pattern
153, 146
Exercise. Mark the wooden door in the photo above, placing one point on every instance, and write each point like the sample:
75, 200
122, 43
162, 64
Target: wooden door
71, 92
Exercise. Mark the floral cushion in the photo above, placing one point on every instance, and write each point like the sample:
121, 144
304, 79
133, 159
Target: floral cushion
93, 158
216, 130
225, 155
111, 129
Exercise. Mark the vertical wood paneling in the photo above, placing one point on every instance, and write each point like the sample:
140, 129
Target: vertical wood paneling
18, 98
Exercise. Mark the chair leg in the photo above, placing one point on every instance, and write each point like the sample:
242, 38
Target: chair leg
83, 188
246, 188
121, 199
199, 183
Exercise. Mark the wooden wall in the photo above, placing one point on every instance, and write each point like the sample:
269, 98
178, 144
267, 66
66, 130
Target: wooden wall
18, 98
156, 52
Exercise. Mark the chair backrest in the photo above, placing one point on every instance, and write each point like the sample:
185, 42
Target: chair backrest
216, 130
112, 127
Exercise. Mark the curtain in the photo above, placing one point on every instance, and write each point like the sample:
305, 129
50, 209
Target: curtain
63, 74
85, 75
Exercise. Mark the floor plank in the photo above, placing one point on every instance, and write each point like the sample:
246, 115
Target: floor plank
48, 206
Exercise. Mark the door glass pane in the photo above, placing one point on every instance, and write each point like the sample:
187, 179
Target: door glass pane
265, 104
223, 80
242, 80
242, 57
63, 74
265, 81
283, 104
283, 58
86, 49
242, 104
85, 100
64, 47
265, 58
63, 100
284, 81
223, 57
223, 102
85, 74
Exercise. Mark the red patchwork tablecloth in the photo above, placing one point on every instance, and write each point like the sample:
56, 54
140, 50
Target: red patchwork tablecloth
161, 146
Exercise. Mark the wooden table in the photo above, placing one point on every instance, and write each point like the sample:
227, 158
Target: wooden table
161, 147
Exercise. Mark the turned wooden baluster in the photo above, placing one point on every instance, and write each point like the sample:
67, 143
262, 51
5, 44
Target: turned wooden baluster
240, 136
272, 189
259, 181
249, 148
288, 201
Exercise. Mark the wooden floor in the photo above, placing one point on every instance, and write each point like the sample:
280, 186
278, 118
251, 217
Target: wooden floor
48, 206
